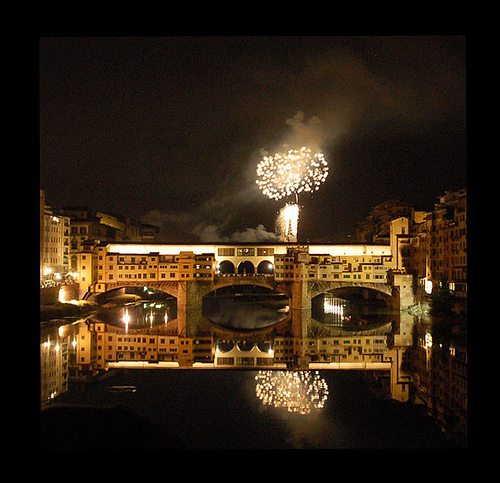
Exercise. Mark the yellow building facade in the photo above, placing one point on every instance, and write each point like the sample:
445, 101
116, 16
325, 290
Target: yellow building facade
115, 267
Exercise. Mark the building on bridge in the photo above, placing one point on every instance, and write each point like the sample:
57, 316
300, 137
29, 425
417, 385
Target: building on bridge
349, 263
145, 263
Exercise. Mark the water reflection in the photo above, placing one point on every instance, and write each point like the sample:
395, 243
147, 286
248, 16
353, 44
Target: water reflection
414, 361
297, 391
245, 307
331, 310
136, 315
57, 357
355, 313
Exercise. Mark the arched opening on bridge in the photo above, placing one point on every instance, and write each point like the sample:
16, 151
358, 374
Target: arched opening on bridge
246, 267
245, 307
137, 306
226, 267
265, 267
353, 307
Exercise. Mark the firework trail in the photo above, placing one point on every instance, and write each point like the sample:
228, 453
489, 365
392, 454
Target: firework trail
287, 174
287, 223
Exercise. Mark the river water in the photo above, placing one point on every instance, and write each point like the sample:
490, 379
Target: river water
162, 405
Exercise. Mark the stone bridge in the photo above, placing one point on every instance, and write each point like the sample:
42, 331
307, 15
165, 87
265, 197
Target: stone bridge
189, 295
315, 288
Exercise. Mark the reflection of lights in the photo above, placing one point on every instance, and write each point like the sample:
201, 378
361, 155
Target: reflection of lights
333, 309
298, 391
166, 317
150, 318
428, 340
126, 319
427, 286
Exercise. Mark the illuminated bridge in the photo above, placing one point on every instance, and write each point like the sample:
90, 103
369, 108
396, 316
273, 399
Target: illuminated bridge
301, 272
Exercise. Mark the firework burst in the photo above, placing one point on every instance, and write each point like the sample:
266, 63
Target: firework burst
298, 392
285, 174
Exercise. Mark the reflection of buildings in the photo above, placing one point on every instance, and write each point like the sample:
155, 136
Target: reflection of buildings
439, 378
243, 354
54, 364
409, 365
101, 344
98, 346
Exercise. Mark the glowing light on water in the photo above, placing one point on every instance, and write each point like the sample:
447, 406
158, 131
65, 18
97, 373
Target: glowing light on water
298, 391
333, 309
126, 319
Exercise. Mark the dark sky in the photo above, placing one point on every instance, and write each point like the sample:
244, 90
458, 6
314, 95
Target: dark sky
170, 130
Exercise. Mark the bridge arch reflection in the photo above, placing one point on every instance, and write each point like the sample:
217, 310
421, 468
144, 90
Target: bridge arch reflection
245, 307
243, 353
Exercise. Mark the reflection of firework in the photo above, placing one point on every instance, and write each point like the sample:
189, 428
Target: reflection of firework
282, 175
287, 223
298, 392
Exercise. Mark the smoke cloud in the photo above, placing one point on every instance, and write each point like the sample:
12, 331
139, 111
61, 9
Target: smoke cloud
211, 233
352, 92
346, 91
192, 227
305, 132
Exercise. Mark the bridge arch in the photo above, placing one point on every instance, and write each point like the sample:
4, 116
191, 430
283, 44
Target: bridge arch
246, 307
226, 267
318, 287
265, 267
246, 267
168, 288
351, 305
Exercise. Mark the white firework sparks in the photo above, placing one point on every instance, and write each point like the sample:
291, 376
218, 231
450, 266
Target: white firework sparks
288, 222
298, 391
284, 174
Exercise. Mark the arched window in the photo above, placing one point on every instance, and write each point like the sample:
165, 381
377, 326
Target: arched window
246, 267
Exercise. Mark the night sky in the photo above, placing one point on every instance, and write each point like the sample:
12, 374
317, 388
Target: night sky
169, 130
